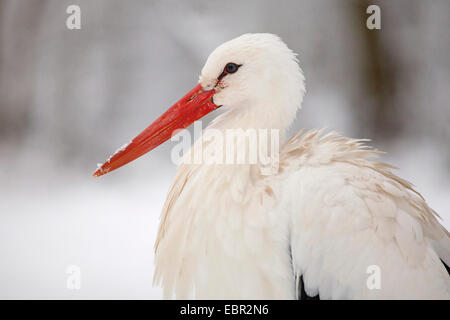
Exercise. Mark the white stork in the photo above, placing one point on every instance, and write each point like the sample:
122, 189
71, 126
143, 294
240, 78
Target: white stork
314, 228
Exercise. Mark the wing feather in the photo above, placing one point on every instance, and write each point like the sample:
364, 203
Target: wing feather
349, 213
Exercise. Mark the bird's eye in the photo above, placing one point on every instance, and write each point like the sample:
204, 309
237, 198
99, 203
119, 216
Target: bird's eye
231, 67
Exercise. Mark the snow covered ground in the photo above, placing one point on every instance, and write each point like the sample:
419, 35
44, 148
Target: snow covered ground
51, 220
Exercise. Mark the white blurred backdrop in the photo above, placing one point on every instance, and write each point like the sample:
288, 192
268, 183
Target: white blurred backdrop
68, 98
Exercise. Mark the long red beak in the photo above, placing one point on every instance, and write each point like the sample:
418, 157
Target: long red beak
193, 106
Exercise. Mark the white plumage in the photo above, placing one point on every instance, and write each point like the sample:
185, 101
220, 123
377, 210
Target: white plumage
327, 215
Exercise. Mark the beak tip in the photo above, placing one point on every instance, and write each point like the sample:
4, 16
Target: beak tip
100, 171
96, 174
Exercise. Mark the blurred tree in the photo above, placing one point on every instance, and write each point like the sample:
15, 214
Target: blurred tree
19, 24
376, 102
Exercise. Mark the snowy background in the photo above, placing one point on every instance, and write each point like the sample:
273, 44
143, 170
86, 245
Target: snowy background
69, 98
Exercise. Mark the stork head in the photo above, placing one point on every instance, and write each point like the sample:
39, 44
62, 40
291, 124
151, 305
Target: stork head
256, 76
256, 73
